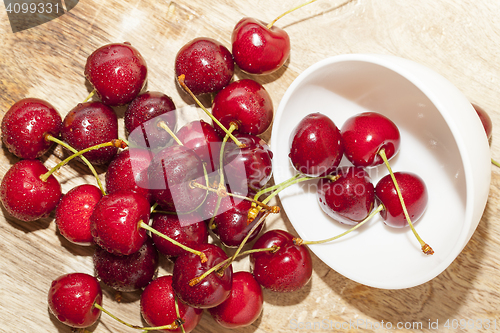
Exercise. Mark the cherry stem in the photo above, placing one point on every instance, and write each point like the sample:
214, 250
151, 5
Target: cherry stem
274, 187
113, 143
202, 255
89, 96
49, 137
425, 247
179, 320
164, 126
270, 25
495, 163
172, 326
299, 241
180, 79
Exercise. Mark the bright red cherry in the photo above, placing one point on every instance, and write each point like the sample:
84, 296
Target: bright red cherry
25, 195
315, 145
72, 297
207, 64
117, 71
257, 49
365, 134
244, 304
25, 125
485, 120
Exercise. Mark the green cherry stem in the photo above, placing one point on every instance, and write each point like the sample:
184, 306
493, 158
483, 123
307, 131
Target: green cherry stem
164, 126
495, 163
89, 96
270, 25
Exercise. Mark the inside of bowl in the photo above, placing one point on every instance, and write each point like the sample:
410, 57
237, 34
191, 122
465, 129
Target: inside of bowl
377, 255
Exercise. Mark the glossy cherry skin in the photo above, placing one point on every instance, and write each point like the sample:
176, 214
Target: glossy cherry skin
187, 229
257, 49
115, 222
207, 64
212, 290
286, 270
170, 175
247, 169
485, 120
244, 304
117, 71
315, 145
203, 139
127, 273
71, 299
158, 306
365, 134
247, 104
89, 124
414, 194
74, 211
129, 171
25, 125
350, 198
24, 195
144, 113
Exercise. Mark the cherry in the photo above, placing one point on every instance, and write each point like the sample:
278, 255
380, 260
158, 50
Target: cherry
485, 120
72, 298
208, 65
25, 125
117, 71
414, 193
158, 306
25, 195
89, 124
245, 103
365, 135
285, 270
315, 145
210, 291
349, 199
74, 211
244, 304
130, 272
147, 110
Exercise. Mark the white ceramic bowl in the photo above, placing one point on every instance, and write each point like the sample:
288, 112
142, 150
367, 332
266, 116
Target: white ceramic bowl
442, 140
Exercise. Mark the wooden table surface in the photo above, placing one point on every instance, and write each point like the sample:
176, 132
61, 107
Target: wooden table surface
458, 39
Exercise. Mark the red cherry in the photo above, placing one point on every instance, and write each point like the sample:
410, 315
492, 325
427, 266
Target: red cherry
25, 195
485, 120
244, 304
158, 306
74, 211
365, 134
315, 145
414, 194
286, 270
257, 49
207, 64
117, 71
72, 297
25, 125
245, 103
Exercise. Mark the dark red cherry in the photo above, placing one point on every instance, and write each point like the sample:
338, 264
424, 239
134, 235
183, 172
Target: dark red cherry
213, 289
257, 49
414, 194
144, 113
158, 306
89, 124
25, 125
315, 145
74, 211
207, 64
286, 270
130, 272
348, 199
244, 304
117, 71
129, 171
115, 222
485, 120
72, 297
25, 195
247, 104
365, 134
187, 229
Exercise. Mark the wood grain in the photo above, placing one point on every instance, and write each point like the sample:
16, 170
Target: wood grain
458, 39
